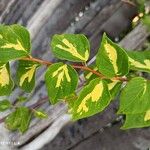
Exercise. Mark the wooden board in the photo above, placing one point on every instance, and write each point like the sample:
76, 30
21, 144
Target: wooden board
91, 17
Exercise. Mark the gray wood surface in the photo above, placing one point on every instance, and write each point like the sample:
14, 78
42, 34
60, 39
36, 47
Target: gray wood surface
91, 17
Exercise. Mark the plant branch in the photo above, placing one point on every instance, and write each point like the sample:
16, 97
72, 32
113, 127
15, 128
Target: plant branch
82, 67
3, 119
47, 63
39, 103
129, 2
43, 62
34, 106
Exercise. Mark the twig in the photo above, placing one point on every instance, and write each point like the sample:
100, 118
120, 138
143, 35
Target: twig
82, 67
129, 2
39, 103
36, 105
3, 119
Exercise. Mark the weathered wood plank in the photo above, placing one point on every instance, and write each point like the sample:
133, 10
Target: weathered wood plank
57, 23
30, 11
115, 25
19, 11
3, 5
139, 36
52, 25
18, 7
6, 10
88, 15
101, 17
42, 15
116, 139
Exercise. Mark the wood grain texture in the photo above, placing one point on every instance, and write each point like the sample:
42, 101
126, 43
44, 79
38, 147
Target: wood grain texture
47, 17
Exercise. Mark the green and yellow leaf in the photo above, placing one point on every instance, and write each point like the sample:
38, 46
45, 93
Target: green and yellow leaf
140, 60
111, 59
137, 120
147, 115
61, 81
6, 83
26, 74
135, 97
93, 99
73, 47
14, 42
113, 85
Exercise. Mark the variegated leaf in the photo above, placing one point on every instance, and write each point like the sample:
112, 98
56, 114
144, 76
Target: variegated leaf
26, 74
111, 59
140, 60
14, 42
147, 115
61, 81
135, 97
6, 83
113, 85
73, 47
93, 99
137, 120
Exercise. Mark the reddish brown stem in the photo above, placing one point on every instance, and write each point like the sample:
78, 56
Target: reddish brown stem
129, 2
43, 62
47, 63
2, 119
39, 103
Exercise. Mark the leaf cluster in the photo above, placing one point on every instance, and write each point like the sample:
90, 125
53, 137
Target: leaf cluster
108, 75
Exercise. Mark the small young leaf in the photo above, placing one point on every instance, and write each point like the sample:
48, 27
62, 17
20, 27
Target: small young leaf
40, 114
135, 97
114, 86
61, 81
93, 99
73, 47
89, 75
14, 42
26, 74
136, 121
139, 60
111, 59
19, 119
4, 105
6, 83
